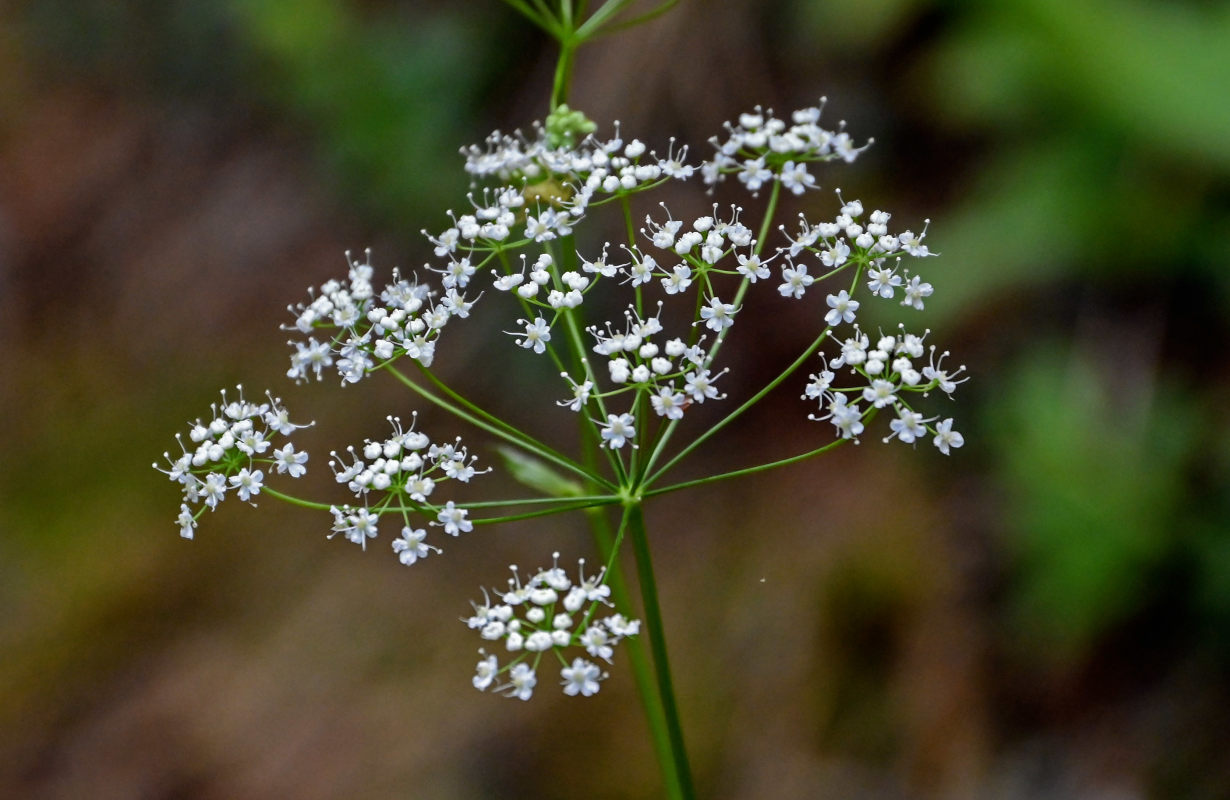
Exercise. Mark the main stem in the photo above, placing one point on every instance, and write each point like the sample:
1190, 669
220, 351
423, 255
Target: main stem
682, 788
661, 710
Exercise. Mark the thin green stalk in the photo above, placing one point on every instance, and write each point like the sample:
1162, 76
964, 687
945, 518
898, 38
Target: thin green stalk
682, 789
522, 440
546, 512
751, 401
638, 658
745, 471
667, 5
594, 499
297, 501
563, 72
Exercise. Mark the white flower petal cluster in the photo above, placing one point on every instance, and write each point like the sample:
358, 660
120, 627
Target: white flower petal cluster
403, 471
884, 374
588, 171
760, 147
673, 373
363, 329
850, 241
548, 613
227, 452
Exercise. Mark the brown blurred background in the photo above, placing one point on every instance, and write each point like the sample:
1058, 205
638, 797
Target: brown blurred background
1045, 614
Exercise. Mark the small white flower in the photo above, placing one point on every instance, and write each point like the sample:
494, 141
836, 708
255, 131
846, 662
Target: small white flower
836, 255
289, 462
842, 308
880, 393
679, 279
718, 315
668, 403
796, 178
453, 519
247, 483
618, 430
521, 682
581, 678
915, 292
485, 673
754, 174
410, 546
946, 437
536, 336
883, 281
751, 267
796, 280
187, 523
908, 426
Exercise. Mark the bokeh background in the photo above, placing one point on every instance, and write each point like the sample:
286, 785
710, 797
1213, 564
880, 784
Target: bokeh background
1045, 614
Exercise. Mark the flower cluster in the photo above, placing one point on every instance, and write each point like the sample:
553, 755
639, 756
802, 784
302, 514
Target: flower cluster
886, 372
549, 612
760, 148
227, 451
631, 376
404, 470
368, 329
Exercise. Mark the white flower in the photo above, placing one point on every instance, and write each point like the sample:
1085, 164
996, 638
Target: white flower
913, 244
581, 678
915, 292
597, 643
290, 462
521, 682
946, 437
796, 178
679, 279
618, 430
842, 308
187, 522
754, 174
453, 519
846, 418
356, 524
699, 385
883, 281
836, 255
908, 426
247, 483
213, 488
641, 271
485, 673
580, 394
718, 315
880, 393
410, 547
796, 280
536, 335
819, 384
668, 403
751, 267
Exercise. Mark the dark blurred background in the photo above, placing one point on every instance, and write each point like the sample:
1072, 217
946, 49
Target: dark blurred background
1045, 614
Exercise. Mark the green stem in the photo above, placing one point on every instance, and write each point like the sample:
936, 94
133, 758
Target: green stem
738, 473
546, 512
751, 401
514, 437
296, 501
638, 658
682, 788
563, 72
